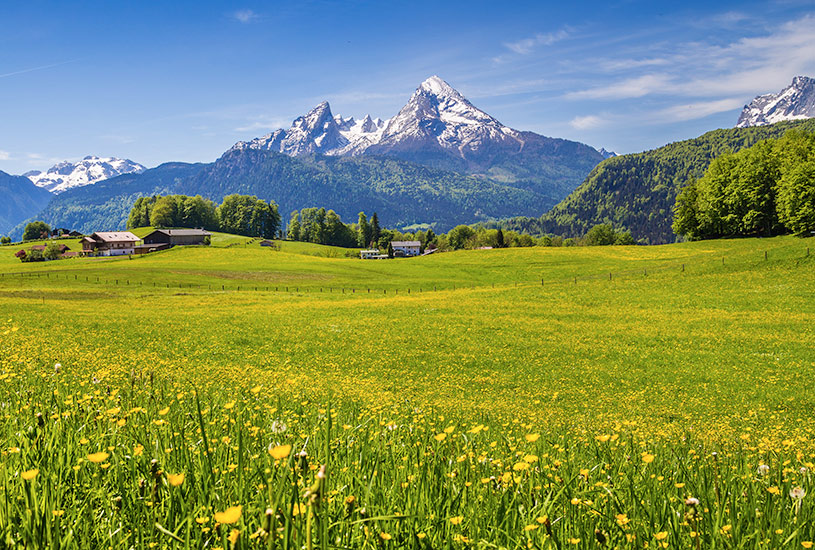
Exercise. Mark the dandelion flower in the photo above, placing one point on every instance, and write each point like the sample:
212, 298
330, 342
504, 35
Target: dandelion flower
532, 437
456, 520
385, 536
280, 452
99, 457
233, 536
230, 515
28, 475
175, 479
648, 458
440, 437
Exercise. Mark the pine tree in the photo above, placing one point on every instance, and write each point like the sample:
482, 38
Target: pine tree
376, 231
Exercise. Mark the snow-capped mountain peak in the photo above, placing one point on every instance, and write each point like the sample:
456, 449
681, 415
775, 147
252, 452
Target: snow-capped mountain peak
67, 175
438, 116
439, 88
436, 120
795, 102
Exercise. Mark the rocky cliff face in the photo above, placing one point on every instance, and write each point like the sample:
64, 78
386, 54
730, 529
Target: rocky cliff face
795, 102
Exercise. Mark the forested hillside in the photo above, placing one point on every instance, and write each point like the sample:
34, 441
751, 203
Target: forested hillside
403, 193
767, 189
637, 192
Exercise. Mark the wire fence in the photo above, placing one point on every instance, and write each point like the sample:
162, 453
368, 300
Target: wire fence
685, 265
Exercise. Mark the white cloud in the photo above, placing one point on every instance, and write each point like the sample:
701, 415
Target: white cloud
692, 111
528, 45
586, 122
625, 89
245, 16
629, 64
5, 155
263, 124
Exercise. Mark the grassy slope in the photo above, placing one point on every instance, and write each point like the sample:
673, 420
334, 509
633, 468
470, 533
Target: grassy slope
705, 332
631, 383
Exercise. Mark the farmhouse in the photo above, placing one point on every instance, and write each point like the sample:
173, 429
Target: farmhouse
406, 248
110, 243
371, 254
177, 237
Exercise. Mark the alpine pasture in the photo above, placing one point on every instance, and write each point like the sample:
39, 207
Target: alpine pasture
235, 396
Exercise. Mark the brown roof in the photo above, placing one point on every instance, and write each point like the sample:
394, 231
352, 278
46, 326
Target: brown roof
115, 236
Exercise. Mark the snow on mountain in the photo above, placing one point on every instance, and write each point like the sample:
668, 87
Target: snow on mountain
439, 116
606, 154
319, 132
436, 120
795, 102
67, 175
436, 115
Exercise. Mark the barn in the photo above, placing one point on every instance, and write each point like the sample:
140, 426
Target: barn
177, 237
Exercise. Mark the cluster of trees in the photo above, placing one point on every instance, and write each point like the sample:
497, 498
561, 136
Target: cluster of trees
479, 236
173, 211
52, 252
36, 230
767, 189
237, 214
321, 226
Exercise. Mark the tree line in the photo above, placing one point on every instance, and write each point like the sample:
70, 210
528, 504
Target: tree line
237, 214
767, 189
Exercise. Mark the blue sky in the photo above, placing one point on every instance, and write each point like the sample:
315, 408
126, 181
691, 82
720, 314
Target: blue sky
163, 81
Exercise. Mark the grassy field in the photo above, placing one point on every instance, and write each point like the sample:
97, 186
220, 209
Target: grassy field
516, 398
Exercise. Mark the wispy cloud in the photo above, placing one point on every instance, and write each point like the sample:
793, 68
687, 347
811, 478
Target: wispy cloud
625, 89
693, 111
528, 45
40, 68
5, 155
263, 125
587, 122
613, 65
245, 16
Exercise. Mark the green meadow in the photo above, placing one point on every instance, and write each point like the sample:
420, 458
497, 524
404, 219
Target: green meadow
517, 398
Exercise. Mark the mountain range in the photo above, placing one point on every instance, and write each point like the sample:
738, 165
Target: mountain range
439, 161
68, 175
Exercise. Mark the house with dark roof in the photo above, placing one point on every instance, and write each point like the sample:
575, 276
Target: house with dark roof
177, 237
